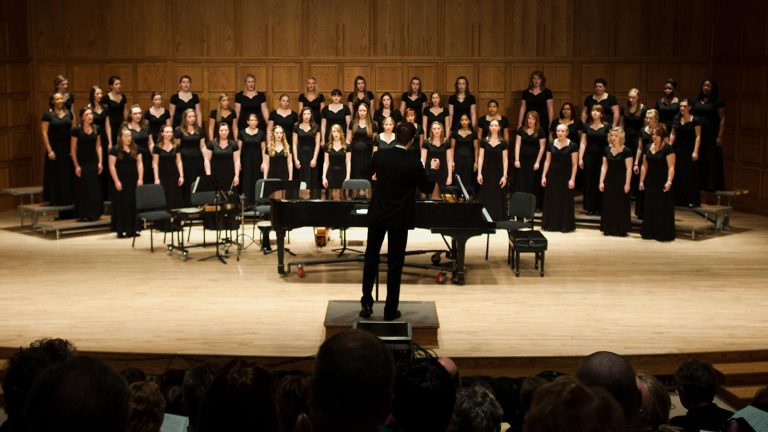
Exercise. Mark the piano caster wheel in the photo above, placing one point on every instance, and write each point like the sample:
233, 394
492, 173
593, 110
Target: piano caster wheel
169, 251
440, 277
301, 271
436, 258
184, 256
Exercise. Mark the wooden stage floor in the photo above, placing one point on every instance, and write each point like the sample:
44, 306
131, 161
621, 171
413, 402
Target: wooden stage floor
627, 295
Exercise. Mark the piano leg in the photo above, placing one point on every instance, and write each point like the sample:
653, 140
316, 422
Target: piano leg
459, 246
280, 234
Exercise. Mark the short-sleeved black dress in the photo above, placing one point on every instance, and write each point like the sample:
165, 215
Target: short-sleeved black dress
558, 201
124, 201
141, 138
461, 107
432, 117
361, 148
314, 105
191, 161
248, 106
229, 119
440, 153
116, 114
368, 100
483, 123
250, 162
659, 213
223, 163
538, 103
686, 169
416, 104
378, 117
305, 151
58, 175
100, 120
334, 117
526, 178
156, 123
633, 127
286, 122
597, 142
710, 154
168, 174
382, 144
89, 202
607, 103
181, 106
667, 112
615, 214
464, 158
491, 194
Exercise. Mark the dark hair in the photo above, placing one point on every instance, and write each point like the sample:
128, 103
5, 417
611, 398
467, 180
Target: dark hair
360, 78
391, 100
672, 82
133, 375
456, 85
696, 382
714, 95
686, 100
573, 111
83, 111
134, 151
415, 78
83, 394
336, 92
197, 381
601, 81
568, 405
292, 399
153, 94
241, 397
112, 79
147, 407
476, 410
540, 74
404, 133
51, 103
352, 381
92, 95
493, 101
425, 395
187, 77
660, 130
313, 129
23, 367
613, 373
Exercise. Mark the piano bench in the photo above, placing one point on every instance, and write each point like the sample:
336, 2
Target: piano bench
527, 241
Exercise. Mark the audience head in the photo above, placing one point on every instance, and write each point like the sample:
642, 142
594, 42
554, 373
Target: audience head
656, 403
453, 370
146, 407
528, 389
476, 410
425, 395
613, 373
132, 375
567, 405
696, 383
24, 366
197, 381
80, 395
241, 397
352, 382
293, 400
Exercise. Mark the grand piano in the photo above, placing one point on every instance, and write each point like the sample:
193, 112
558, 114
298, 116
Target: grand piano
339, 208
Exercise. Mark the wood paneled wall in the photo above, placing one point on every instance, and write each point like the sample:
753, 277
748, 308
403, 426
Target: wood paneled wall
741, 64
15, 123
495, 43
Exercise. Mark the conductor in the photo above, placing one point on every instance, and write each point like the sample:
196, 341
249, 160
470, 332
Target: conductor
398, 175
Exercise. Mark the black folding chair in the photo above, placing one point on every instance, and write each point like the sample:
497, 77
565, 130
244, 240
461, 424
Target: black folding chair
150, 204
522, 210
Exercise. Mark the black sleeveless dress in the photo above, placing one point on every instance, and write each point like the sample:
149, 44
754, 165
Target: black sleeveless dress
615, 214
659, 211
558, 201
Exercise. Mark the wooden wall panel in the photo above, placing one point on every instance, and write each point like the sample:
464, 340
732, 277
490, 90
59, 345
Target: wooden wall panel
350, 73
4, 147
754, 44
259, 71
388, 78
690, 42
4, 73
151, 77
389, 36
460, 29
630, 34
123, 70
4, 112
627, 76
339, 28
594, 28
327, 76
491, 26
491, 78
18, 111
221, 79
752, 114
750, 149
84, 76
284, 27
559, 77
422, 32
426, 72
286, 78
522, 29
754, 80
590, 72
453, 71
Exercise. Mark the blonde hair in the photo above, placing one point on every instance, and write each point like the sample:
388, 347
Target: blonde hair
356, 120
218, 109
653, 113
442, 133
619, 132
271, 146
162, 140
329, 146
183, 125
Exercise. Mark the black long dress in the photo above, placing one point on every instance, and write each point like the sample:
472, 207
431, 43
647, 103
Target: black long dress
181, 106
116, 114
645, 141
305, 151
100, 120
278, 165
248, 106
659, 213
368, 100
168, 173
89, 202
250, 163
191, 161
334, 117
222, 163
361, 148
575, 129
686, 169
417, 104
432, 118
597, 142
286, 122
156, 123
493, 197
615, 215
464, 159
538, 103
141, 138
558, 201
378, 116
633, 127
124, 202
710, 154
526, 178
58, 175
667, 112
229, 119
440, 153
461, 107
608, 103
483, 124
337, 167
314, 105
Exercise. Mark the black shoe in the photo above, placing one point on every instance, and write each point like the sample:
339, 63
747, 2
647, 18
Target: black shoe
366, 311
392, 316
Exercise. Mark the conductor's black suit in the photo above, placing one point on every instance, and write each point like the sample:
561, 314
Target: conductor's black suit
398, 175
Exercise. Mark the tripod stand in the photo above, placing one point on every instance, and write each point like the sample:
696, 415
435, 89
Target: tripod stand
224, 216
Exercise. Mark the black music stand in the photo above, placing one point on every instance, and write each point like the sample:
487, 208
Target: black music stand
209, 183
